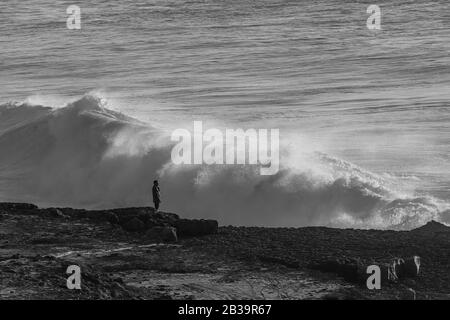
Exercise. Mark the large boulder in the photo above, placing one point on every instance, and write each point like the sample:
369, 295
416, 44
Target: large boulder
116, 216
352, 270
390, 271
410, 267
126, 214
193, 228
162, 219
9, 206
161, 234
96, 215
400, 268
146, 215
134, 225
19, 208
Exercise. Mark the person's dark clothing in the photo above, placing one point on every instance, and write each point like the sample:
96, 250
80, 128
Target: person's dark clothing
156, 196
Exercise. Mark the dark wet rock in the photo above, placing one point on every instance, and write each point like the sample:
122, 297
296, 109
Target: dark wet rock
130, 219
161, 219
11, 207
397, 266
99, 216
165, 218
410, 267
11, 257
389, 271
146, 219
112, 218
126, 214
134, 225
162, 234
431, 227
30, 232
54, 213
74, 213
192, 228
121, 216
355, 270
284, 261
352, 270
345, 294
41, 276
46, 240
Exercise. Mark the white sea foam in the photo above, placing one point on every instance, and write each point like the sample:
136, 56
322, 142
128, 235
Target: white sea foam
85, 155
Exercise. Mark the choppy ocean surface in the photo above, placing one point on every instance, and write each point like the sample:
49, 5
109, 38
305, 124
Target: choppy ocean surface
364, 115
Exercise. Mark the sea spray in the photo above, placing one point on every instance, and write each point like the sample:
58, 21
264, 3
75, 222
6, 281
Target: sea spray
234, 147
85, 155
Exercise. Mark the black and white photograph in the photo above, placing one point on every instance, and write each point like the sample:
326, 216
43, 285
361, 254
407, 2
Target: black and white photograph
247, 152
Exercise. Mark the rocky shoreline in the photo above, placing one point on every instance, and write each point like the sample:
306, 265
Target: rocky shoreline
135, 253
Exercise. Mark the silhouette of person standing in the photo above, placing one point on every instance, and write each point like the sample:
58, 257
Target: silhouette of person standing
156, 195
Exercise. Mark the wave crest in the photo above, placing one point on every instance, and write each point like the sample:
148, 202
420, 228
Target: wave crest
85, 155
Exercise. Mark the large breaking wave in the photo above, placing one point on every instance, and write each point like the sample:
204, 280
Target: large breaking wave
85, 155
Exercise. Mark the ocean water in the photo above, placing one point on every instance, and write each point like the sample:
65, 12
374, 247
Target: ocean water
363, 115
